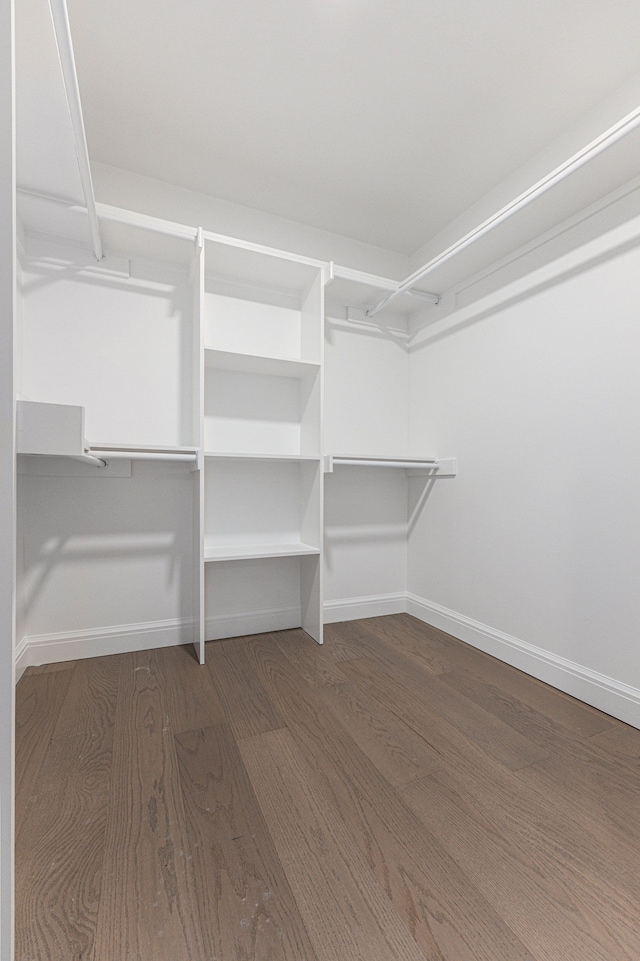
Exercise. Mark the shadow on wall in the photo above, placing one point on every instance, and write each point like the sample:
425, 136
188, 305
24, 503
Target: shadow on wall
75, 563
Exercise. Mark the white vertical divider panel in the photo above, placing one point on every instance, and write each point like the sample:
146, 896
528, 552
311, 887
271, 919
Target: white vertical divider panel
198, 474
7, 474
311, 474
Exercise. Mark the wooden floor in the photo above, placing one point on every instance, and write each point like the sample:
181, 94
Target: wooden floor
392, 796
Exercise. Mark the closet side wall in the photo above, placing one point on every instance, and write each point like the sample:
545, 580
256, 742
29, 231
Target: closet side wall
7, 474
533, 551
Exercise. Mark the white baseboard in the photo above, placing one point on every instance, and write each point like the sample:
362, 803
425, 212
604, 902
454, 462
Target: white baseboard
355, 608
115, 639
607, 694
118, 639
251, 622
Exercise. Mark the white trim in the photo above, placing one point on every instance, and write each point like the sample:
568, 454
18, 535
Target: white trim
605, 693
355, 608
218, 626
115, 639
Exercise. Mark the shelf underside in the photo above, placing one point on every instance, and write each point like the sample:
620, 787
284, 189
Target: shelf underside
230, 455
258, 364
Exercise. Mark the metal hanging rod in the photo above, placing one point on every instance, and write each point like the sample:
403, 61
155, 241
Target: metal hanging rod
62, 31
373, 280
409, 463
142, 455
610, 136
423, 295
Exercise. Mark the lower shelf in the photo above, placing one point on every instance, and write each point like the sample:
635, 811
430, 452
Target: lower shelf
255, 551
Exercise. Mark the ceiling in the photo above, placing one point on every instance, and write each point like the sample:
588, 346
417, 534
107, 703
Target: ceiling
378, 120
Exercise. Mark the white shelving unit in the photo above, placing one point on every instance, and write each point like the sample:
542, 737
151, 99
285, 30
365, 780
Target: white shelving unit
257, 552
262, 332
200, 382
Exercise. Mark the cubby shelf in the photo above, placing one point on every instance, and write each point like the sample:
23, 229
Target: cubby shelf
258, 364
230, 455
245, 552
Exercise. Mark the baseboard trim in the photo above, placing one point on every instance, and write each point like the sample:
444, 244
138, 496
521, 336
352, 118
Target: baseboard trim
119, 639
355, 608
115, 639
607, 694
252, 622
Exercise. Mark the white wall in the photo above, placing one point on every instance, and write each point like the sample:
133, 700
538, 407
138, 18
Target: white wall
7, 474
366, 412
537, 540
122, 188
114, 338
103, 552
105, 563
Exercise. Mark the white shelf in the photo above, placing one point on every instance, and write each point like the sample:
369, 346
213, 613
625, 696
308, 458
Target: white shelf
258, 364
257, 551
230, 455
50, 429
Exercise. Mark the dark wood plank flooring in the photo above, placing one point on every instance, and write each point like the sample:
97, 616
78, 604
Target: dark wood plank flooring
392, 796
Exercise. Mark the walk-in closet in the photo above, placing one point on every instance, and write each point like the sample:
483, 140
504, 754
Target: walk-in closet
320, 536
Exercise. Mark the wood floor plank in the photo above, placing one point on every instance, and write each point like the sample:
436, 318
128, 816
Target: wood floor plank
313, 662
246, 906
50, 668
148, 898
346, 912
446, 914
39, 700
192, 697
414, 639
59, 854
247, 708
497, 854
588, 801
620, 740
348, 639
90, 703
528, 705
538, 816
555, 913
490, 733
425, 642
397, 751
589, 778
511, 747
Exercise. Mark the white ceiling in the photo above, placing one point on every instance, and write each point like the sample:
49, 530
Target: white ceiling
379, 120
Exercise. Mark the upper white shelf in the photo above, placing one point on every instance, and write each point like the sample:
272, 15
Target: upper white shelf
258, 364
231, 455
437, 467
245, 552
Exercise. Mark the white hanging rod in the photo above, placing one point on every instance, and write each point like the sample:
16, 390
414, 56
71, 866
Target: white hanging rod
385, 462
62, 31
373, 280
142, 455
583, 156
423, 295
